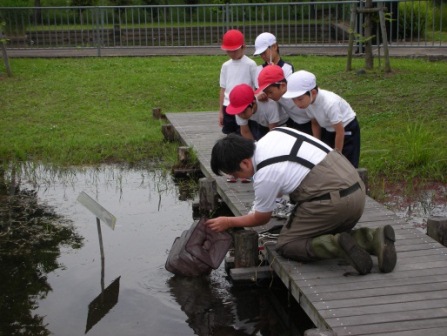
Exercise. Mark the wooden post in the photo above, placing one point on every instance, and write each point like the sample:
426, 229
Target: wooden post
246, 249
183, 155
363, 172
187, 165
169, 132
437, 229
207, 195
156, 113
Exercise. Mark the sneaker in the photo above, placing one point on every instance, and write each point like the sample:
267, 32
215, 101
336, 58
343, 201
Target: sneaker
231, 179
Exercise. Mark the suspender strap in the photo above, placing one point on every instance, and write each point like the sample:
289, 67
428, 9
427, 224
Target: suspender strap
283, 158
293, 152
303, 138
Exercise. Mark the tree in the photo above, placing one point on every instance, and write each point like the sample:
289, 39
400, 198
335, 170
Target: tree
368, 10
82, 3
4, 52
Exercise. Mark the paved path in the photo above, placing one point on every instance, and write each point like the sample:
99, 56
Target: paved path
432, 53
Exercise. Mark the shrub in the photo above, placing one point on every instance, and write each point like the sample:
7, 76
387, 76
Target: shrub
416, 18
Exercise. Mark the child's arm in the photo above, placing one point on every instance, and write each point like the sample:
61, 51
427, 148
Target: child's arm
221, 99
339, 136
273, 125
245, 132
261, 96
316, 129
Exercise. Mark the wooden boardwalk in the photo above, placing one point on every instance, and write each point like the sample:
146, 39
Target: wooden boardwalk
412, 300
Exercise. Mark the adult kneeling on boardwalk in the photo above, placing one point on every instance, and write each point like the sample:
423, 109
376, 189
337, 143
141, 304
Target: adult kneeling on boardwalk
327, 191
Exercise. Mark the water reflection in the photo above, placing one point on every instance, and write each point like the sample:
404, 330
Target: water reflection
212, 309
102, 304
30, 239
50, 280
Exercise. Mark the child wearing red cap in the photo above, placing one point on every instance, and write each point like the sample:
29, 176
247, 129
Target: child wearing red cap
254, 118
273, 83
239, 69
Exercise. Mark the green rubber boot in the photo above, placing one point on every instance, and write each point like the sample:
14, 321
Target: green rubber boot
344, 246
378, 242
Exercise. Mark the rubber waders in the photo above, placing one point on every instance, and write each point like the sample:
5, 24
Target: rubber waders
344, 246
378, 242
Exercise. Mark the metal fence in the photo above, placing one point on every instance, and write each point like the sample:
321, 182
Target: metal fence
415, 23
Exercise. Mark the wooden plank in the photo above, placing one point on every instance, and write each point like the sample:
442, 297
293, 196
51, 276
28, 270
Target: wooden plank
252, 274
440, 331
411, 327
315, 279
377, 284
383, 309
353, 303
373, 292
375, 320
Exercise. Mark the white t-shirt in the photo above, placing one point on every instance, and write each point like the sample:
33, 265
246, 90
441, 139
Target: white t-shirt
329, 109
267, 113
287, 68
298, 115
234, 72
281, 178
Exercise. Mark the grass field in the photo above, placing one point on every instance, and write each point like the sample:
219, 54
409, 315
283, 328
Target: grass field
95, 110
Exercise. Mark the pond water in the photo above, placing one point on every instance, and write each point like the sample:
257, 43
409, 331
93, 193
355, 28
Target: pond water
415, 204
61, 287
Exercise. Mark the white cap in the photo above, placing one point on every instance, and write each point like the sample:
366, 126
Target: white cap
263, 41
299, 83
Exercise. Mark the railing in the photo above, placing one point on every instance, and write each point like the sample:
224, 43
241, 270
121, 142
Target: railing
415, 23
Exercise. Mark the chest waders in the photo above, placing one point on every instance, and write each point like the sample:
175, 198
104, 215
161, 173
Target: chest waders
356, 246
293, 157
326, 246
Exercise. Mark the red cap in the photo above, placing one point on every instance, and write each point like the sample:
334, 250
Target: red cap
241, 96
232, 40
269, 75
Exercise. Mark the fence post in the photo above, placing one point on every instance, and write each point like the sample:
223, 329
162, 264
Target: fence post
98, 33
227, 15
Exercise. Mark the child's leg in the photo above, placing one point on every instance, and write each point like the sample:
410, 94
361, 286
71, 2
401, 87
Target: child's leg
229, 123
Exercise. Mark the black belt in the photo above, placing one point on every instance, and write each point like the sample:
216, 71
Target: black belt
343, 193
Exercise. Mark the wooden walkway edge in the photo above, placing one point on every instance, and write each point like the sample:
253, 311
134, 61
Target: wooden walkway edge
412, 300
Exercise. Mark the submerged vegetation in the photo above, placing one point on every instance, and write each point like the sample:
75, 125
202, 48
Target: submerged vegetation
99, 110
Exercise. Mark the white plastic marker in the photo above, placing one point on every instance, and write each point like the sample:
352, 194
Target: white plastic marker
97, 209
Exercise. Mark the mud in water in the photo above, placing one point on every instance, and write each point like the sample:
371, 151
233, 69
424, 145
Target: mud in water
415, 203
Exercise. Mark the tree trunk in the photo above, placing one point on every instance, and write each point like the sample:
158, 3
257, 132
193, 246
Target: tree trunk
369, 59
37, 12
5, 57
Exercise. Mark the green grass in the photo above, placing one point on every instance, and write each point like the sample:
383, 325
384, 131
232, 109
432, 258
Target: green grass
96, 110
